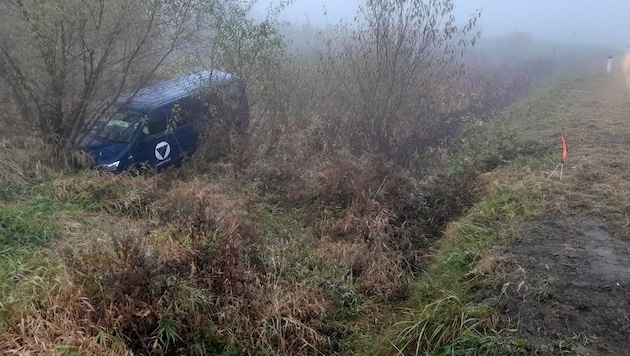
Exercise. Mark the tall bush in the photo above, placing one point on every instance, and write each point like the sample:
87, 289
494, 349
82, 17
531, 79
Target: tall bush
388, 68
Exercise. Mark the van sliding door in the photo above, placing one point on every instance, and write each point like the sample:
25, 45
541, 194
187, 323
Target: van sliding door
159, 144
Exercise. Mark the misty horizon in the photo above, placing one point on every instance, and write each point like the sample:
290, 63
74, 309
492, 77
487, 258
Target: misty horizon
604, 23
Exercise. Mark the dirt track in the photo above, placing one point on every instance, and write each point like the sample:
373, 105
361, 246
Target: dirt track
567, 277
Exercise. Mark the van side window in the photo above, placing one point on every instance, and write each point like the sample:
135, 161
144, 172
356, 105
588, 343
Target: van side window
191, 111
158, 121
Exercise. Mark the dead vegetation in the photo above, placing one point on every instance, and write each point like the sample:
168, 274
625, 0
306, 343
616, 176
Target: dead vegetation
308, 233
295, 254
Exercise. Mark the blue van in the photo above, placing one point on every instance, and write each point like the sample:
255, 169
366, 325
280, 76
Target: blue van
159, 125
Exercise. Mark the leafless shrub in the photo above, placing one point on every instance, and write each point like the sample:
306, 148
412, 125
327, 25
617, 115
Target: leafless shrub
385, 67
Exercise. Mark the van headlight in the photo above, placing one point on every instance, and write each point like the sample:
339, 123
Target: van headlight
109, 167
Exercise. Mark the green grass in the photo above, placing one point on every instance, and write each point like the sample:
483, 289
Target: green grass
27, 278
29, 223
31, 217
443, 317
444, 326
10, 192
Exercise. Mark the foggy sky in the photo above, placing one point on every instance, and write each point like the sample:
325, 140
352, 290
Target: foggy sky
603, 22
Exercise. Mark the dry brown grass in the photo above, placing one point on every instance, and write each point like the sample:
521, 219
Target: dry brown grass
63, 326
359, 229
23, 158
375, 270
199, 237
492, 262
120, 194
292, 318
204, 201
52, 317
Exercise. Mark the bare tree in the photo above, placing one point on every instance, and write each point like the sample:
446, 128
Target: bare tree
388, 64
63, 60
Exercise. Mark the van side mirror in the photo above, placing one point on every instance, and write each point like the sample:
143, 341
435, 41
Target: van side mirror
144, 135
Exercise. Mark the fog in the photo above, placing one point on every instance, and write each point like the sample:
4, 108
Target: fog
588, 22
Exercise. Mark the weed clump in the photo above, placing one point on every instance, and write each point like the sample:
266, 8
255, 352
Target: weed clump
195, 277
373, 219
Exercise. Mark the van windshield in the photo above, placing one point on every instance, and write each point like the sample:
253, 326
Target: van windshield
117, 125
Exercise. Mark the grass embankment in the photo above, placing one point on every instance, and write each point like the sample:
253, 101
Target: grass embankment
456, 306
459, 306
339, 259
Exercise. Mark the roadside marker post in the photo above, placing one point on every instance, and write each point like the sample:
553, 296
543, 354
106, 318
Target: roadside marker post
565, 152
609, 65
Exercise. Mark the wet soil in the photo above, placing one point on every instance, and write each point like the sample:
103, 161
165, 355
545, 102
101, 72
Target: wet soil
568, 288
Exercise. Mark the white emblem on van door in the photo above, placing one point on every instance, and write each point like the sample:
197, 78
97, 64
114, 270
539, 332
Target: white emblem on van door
162, 150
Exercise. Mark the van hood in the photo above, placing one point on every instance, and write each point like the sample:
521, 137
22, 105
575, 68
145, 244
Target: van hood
107, 153
103, 151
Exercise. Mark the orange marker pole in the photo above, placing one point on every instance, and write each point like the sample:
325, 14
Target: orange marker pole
565, 152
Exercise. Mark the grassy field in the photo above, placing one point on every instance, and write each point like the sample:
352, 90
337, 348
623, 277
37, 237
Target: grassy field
475, 251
